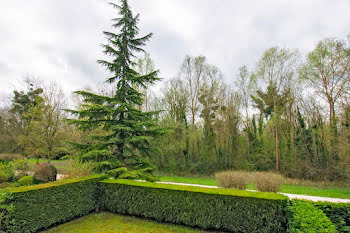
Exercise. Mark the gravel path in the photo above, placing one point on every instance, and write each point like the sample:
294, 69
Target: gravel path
291, 196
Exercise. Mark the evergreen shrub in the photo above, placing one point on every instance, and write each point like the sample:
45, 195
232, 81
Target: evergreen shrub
206, 208
38, 207
338, 213
25, 181
305, 217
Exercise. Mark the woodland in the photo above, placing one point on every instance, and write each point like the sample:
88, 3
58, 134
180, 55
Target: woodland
289, 113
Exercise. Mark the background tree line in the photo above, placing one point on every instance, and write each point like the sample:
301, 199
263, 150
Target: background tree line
286, 113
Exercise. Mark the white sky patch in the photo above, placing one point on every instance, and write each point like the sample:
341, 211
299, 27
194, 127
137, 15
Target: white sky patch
59, 40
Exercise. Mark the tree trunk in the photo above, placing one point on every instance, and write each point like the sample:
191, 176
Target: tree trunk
277, 149
277, 136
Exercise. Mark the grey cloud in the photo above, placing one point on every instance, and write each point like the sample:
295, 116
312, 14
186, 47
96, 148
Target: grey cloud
60, 39
4, 69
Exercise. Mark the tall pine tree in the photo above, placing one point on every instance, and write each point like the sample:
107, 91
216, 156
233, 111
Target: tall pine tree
122, 133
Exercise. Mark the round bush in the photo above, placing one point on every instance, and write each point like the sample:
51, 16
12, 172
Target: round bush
267, 181
44, 173
25, 181
232, 179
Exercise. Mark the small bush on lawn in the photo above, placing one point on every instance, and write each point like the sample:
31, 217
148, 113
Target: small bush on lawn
232, 179
305, 217
21, 167
44, 173
267, 181
75, 168
25, 181
6, 172
338, 213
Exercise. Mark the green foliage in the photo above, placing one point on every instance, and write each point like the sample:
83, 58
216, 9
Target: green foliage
44, 172
25, 181
5, 208
38, 207
75, 168
126, 130
305, 217
137, 174
220, 209
338, 213
22, 102
21, 167
6, 172
32, 140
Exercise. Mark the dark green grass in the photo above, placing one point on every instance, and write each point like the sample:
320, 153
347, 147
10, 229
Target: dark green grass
108, 223
286, 188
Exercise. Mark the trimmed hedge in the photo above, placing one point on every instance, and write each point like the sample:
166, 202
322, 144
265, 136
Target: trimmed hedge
38, 207
338, 213
206, 208
305, 217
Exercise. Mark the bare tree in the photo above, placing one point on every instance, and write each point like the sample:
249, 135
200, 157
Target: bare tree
246, 86
194, 71
277, 69
327, 72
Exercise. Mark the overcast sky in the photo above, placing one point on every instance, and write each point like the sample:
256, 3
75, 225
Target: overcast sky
60, 39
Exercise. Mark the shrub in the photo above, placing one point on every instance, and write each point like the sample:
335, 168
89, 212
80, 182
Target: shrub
129, 174
38, 207
44, 173
267, 181
21, 167
305, 217
75, 168
25, 181
6, 172
206, 208
338, 213
232, 179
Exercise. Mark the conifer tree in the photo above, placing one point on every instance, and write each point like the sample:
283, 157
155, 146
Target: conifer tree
124, 132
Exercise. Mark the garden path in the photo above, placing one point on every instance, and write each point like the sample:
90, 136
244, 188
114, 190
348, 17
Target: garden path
289, 195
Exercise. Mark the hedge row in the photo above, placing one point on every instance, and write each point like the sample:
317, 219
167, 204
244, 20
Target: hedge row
205, 208
305, 217
338, 213
38, 207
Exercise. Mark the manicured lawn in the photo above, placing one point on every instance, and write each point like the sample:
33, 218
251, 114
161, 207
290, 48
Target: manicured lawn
107, 222
286, 188
189, 180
